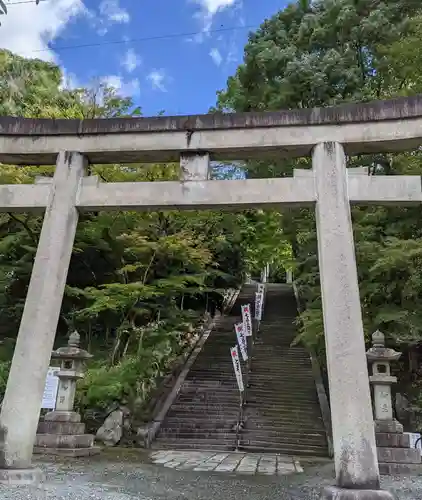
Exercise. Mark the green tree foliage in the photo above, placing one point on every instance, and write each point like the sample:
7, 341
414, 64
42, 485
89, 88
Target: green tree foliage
324, 53
138, 281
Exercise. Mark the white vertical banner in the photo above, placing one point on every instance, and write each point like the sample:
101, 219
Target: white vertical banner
259, 300
261, 289
241, 340
247, 319
234, 351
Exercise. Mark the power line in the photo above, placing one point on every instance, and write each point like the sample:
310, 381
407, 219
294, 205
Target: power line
134, 40
23, 1
145, 39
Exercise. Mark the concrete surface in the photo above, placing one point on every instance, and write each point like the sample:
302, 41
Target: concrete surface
231, 194
135, 478
355, 450
25, 385
362, 127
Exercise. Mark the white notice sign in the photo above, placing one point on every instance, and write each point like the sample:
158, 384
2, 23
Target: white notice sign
261, 288
234, 352
259, 300
414, 436
50, 389
241, 340
247, 320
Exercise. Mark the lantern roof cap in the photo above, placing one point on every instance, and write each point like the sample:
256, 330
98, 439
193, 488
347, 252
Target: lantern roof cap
72, 350
378, 351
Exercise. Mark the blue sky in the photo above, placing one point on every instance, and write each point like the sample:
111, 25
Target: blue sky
107, 40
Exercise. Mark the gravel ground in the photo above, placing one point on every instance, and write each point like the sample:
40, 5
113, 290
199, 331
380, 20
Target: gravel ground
129, 478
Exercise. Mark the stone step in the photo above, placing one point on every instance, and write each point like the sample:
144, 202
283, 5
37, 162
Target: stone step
212, 410
282, 424
207, 391
213, 401
53, 427
283, 356
280, 371
289, 392
274, 388
206, 426
64, 441
278, 415
399, 455
285, 449
291, 437
195, 444
287, 427
255, 404
199, 434
282, 382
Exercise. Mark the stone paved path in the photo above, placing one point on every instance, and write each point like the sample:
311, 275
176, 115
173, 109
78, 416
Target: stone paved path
229, 462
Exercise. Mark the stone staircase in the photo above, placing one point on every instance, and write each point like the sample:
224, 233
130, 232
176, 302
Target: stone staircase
206, 411
282, 412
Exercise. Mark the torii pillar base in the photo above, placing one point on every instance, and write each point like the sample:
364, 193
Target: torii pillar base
21, 477
335, 493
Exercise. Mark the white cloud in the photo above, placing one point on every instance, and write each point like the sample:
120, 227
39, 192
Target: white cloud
207, 10
131, 61
125, 88
216, 56
110, 12
213, 6
28, 28
157, 78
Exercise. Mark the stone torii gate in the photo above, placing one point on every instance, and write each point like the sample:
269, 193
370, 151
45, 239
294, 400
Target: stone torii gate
326, 134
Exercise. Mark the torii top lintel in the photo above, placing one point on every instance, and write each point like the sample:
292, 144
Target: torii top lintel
378, 126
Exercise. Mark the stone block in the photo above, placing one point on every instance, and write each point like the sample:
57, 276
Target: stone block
399, 455
398, 469
388, 426
64, 441
20, 477
62, 416
334, 493
68, 452
54, 427
392, 440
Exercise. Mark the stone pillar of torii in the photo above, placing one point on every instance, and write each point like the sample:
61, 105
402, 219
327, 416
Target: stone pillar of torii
330, 187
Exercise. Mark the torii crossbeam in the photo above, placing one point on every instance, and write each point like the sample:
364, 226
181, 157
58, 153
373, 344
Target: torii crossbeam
326, 134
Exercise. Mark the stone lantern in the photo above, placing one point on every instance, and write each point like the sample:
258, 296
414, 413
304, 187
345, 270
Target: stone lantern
394, 452
61, 432
381, 379
72, 364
